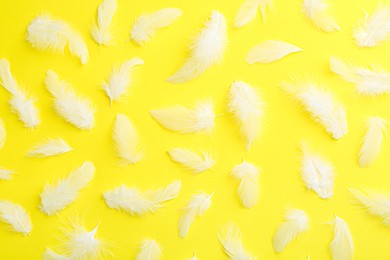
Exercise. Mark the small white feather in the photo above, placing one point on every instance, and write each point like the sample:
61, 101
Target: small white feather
75, 110
341, 247
135, 202
296, 222
207, 49
16, 216
6, 174
3, 133
51, 147
248, 11
56, 197
45, 33
146, 25
101, 30
270, 51
192, 160
249, 189
317, 13
21, 103
51, 255
150, 250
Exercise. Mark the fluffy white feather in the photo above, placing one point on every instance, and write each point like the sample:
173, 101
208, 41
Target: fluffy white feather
150, 250
45, 33
135, 202
192, 160
372, 141
317, 173
146, 25
5, 174
248, 11
3, 133
51, 255
207, 49
120, 79
296, 222
101, 30
374, 28
51, 147
56, 197
270, 51
249, 189
16, 216
341, 247
197, 206
76, 110
317, 13
321, 104
21, 103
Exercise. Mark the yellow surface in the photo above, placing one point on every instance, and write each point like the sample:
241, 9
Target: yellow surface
276, 153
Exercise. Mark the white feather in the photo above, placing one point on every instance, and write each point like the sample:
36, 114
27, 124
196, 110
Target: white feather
5, 174
21, 103
51, 255
56, 197
341, 247
51, 147
16, 216
321, 104
296, 222
248, 11
101, 31
150, 250
45, 33
247, 108
76, 110
207, 49
270, 51
3, 134
120, 79
192, 160
316, 12
249, 189
146, 25
135, 202
197, 206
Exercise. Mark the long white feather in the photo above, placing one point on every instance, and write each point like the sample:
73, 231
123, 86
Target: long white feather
150, 250
321, 104
51, 147
120, 79
51, 255
192, 160
270, 51
16, 216
248, 11
372, 141
197, 206
249, 189
296, 222
56, 197
21, 103
45, 33
317, 13
207, 50
6, 174
341, 247
101, 30
145, 26
135, 202
76, 110
3, 133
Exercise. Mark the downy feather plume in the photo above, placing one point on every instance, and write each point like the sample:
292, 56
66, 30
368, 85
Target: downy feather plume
372, 141
51, 255
373, 29
126, 140
76, 110
270, 51
231, 240
45, 33
316, 12
101, 30
249, 189
369, 81
146, 25
341, 247
5, 174
317, 173
51, 147
248, 11
375, 203
321, 104
247, 108
150, 250
197, 206
3, 134
21, 103
184, 120
15, 216
207, 49
135, 202
56, 197
120, 79
192, 160
296, 222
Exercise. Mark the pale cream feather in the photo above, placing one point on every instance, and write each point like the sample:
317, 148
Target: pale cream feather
150, 250
51, 255
194, 257
15, 216
317, 13
248, 10
249, 189
191, 160
3, 133
341, 247
270, 51
6, 174
51, 147
101, 30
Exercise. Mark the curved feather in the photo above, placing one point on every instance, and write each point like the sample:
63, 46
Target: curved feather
51, 255
5, 174
316, 12
246, 13
249, 189
270, 51
51, 147
101, 31
16, 216
191, 160
3, 133
150, 250
341, 247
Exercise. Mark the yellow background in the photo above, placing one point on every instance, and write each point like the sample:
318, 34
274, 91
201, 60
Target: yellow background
276, 153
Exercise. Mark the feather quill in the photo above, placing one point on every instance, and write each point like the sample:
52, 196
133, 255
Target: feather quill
5, 174
51, 255
341, 247
249, 189
191, 160
16, 216
316, 12
101, 31
3, 134
51, 147
21, 103
207, 50
270, 51
150, 250
248, 11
